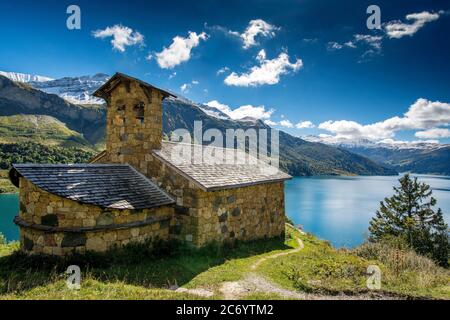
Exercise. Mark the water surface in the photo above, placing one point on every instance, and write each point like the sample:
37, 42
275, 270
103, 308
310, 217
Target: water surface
337, 209
9, 207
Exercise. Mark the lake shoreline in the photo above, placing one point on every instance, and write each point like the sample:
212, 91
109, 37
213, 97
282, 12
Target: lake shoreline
337, 209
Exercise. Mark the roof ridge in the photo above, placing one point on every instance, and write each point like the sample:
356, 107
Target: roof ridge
73, 165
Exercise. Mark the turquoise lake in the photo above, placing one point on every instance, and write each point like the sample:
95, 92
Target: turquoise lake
337, 209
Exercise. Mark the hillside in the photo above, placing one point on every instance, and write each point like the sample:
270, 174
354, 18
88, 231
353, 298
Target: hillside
422, 157
297, 267
298, 157
41, 129
18, 98
422, 161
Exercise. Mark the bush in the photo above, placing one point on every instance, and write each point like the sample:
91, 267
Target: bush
396, 255
2, 239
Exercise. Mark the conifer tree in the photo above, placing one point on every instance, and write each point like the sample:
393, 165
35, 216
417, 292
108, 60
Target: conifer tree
409, 214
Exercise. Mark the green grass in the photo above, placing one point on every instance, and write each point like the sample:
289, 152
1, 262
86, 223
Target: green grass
140, 272
40, 129
94, 289
319, 268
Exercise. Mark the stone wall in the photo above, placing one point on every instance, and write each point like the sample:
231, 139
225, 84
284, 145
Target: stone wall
54, 225
245, 213
200, 217
134, 124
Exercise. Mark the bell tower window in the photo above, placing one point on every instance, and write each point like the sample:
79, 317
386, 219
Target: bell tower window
139, 112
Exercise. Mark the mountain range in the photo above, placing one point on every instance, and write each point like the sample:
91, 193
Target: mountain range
22, 77
78, 119
418, 157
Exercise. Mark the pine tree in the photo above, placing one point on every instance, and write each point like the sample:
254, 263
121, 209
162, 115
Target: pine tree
409, 214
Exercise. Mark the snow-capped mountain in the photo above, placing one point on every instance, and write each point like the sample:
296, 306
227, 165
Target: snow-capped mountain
425, 157
23, 77
371, 144
214, 112
76, 90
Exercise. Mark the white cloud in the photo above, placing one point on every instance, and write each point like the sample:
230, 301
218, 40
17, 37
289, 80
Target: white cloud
350, 44
423, 114
373, 41
398, 29
270, 122
267, 72
406, 143
186, 86
223, 70
434, 133
122, 36
286, 123
255, 28
180, 50
332, 45
245, 111
304, 125
310, 40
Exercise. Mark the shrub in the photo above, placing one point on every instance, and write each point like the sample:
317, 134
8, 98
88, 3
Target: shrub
396, 255
2, 239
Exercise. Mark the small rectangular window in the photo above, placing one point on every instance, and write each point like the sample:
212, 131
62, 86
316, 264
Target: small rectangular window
139, 111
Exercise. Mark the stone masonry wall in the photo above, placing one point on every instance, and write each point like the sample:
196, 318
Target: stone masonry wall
134, 125
200, 217
38, 207
245, 213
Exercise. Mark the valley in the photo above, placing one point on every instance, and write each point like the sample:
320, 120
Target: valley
62, 113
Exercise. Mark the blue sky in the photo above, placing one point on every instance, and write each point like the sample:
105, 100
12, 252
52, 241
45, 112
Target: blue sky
305, 61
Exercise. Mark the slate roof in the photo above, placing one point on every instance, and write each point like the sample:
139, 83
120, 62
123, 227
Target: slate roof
115, 186
212, 176
117, 78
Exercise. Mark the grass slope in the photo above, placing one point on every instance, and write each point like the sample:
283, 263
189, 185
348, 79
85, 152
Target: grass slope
40, 129
136, 273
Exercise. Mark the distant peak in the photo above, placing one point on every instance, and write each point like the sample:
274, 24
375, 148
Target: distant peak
24, 77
